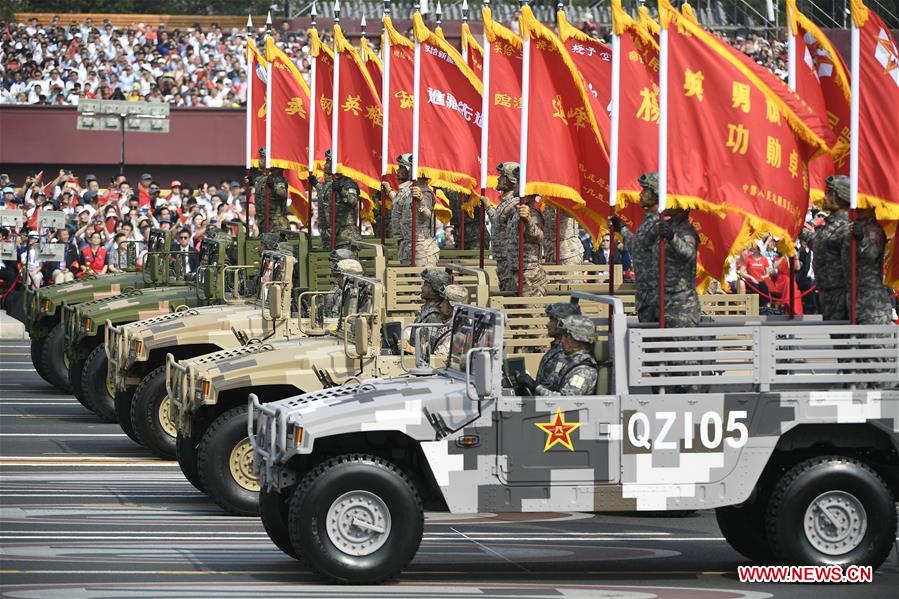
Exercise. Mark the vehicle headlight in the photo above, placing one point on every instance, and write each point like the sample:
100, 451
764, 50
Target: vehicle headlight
87, 324
203, 390
295, 435
46, 306
138, 347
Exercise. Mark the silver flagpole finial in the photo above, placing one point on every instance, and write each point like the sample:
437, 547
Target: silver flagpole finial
249, 23
313, 13
336, 11
438, 12
268, 22
362, 24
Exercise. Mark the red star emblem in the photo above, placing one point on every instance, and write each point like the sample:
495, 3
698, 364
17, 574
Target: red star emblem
558, 431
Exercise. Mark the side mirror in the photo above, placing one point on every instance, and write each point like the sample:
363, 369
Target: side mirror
360, 335
275, 302
482, 373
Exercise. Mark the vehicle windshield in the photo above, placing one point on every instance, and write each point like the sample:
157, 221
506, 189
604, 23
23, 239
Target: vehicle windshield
271, 269
357, 297
471, 328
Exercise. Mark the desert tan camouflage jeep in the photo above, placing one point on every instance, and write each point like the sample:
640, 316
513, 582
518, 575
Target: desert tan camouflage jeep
789, 429
209, 392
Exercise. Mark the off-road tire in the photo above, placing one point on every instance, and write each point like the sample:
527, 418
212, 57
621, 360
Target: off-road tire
744, 530
222, 436
75, 368
123, 401
808, 480
145, 408
186, 453
37, 357
53, 358
273, 510
94, 391
323, 485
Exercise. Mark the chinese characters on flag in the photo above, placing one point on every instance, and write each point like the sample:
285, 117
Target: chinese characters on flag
324, 98
594, 61
257, 65
402, 64
472, 51
504, 122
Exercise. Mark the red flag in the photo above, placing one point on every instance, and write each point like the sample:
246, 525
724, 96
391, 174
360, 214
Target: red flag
878, 114
449, 115
566, 157
742, 147
324, 97
472, 51
372, 61
289, 111
359, 120
258, 74
592, 58
296, 194
402, 64
822, 81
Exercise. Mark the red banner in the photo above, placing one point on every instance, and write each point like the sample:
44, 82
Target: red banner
504, 122
257, 66
449, 114
289, 111
402, 65
324, 97
742, 147
372, 62
878, 96
822, 81
472, 51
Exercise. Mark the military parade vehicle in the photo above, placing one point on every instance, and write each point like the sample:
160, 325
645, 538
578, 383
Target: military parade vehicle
176, 289
208, 406
44, 307
789, 429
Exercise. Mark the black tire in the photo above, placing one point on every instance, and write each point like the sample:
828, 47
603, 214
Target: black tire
222, 437
37, 357
743, 528
809, 480
274, 507
94, 388
75, 368
123, 401
53, 358
330, 480
149, 397
186, 453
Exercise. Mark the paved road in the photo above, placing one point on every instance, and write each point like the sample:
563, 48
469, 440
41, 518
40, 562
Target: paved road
86, 513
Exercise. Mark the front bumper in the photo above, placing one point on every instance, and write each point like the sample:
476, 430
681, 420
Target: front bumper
267, 430
179, 385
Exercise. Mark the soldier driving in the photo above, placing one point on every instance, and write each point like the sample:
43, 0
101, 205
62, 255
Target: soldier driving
827, 249
554, 359
345, 192
434, 280
331, 301
440, 340
578, 372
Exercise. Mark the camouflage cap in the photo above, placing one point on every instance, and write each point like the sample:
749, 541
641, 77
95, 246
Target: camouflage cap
349, 267
839, 185
512, 170
560, 310
455, 294
437, 278
404, 160
650, 181
340, 254
579, 328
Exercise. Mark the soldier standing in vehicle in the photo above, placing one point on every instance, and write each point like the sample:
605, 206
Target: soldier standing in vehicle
420, 200
872, 297
642, 246
578, 374
827, 249
533, 276
400, 198
452, 296
554, 359
331, 302
346, 194
571, 250
505, 248
682, 308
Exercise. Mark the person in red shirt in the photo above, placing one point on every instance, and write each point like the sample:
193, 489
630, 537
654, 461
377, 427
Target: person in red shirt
779, 286
94, 257
754, 271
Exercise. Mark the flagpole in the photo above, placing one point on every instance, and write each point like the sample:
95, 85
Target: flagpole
416, 113
312, 110
523, 148
663, 155
485, 130
613, 151
268, 122
791, 82
385, 111
335, 95
854, 103
461, 244
251, 74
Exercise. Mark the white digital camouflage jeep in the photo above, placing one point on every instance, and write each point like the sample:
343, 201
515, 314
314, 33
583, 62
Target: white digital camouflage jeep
792, 440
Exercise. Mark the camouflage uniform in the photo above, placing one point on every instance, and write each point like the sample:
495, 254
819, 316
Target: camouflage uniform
682, 307
442, 338
570, 246
643, 248
534, 279
830, 275
579, 374
426, 249
471, 223
277, 202
504, 249
553, 361
438, 279
331, 302
402, 197
347, 196
872, 304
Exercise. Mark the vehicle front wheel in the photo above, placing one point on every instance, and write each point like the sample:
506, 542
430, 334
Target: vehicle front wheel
186, 453
54, 359
356, 519
225, 459
273, 509
831, 510
75, 368
743, 528
123, 401
150, 419
37, 357
96, 386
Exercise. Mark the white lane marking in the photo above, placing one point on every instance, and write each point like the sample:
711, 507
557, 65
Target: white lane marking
87, 458
15, 346
9, 362
63, 435
66, 398
11, 385
263, 536
18, 369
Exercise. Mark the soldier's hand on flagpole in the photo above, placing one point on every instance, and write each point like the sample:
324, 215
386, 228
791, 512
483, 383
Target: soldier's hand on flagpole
416, 193
666, 231
313, 180
615, 223
485, 203
524, 212
857, 231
